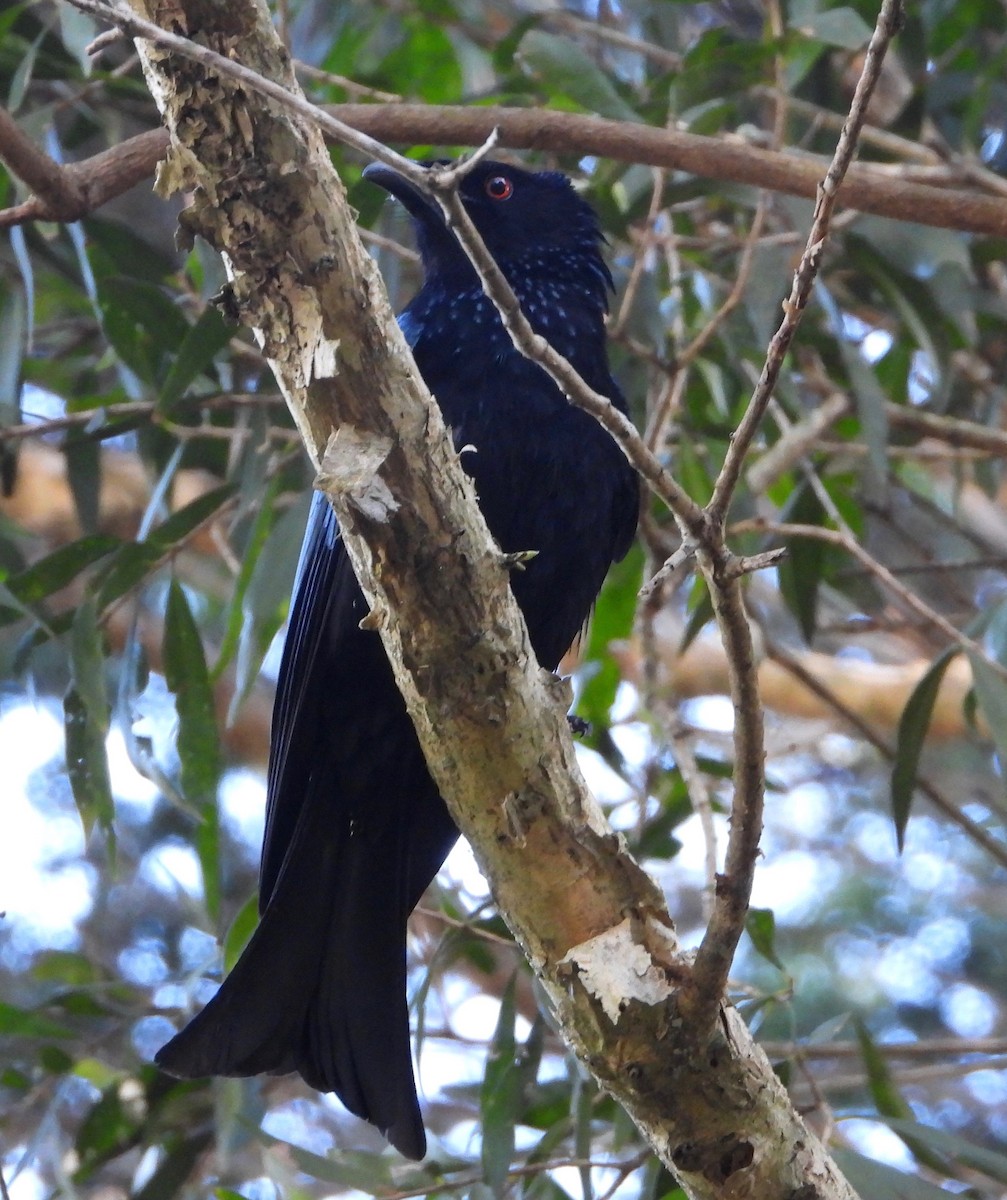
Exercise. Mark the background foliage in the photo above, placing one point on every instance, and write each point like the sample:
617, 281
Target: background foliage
153, 496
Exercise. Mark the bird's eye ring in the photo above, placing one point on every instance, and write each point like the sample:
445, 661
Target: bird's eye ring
499, 187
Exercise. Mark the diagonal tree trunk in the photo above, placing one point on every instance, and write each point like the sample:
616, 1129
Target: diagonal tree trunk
593, 925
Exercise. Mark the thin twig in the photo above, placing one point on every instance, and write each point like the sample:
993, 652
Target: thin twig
702, 999
995, 848
888, 23
845, 540
937, 1047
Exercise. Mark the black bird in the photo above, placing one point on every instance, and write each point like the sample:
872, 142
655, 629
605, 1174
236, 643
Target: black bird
355, 827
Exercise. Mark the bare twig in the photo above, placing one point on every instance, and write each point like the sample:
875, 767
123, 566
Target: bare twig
703, 998
866, 188
795, 443
936, 1047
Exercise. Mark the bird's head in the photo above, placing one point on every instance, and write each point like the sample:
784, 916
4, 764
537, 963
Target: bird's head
532, 223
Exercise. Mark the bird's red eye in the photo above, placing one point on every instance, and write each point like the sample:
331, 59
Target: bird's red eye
499, 187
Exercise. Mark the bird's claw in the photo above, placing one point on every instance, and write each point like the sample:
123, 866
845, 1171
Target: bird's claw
518, 560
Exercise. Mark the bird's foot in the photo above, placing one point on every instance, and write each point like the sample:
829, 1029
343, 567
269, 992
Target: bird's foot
518, 560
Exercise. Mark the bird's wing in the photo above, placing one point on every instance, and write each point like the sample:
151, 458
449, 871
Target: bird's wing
326, 604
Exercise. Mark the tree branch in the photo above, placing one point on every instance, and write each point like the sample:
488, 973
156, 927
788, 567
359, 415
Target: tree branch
867, 188
266, 197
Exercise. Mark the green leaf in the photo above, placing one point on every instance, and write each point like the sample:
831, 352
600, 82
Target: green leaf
13, 318
87, 658
143, 325
700, 609
886, 1095
843, 27
976, 1158
367, 1173
800, 573
236, 612
20, 1022
77, 30
187, 677
198, 741
22, 75
870, 400
267, 598
176, 1166
205, 339
991, 692
61, 567
500, 1097
135, 560
107, 1130
87, 765
427, 58
913, 725
877, 1181
884, 1091
761, 927
241, 930
561, 66
613, 620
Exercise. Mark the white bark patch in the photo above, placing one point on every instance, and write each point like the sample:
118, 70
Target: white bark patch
351, 466
615, 969
324, 363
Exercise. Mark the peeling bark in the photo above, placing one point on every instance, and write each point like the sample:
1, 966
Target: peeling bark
491, 722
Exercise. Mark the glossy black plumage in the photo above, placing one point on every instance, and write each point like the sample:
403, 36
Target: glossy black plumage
355, 828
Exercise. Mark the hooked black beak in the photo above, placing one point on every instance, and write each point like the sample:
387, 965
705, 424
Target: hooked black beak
416, 202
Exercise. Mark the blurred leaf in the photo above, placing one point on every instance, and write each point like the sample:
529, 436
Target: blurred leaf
612, 620
87, 658
913, 726
427, 59
888, 1100
203, 340
22, 76
13, 318
66, 967
198, 741
20, 1022
61, 567
109, 1129
236, 614
968, 1154
828, 1030
843, 27
87, 765
991, 692
800, 573
240, 931
77, 30
267, 597
86, 721
761, 927
367, 1173
500, 1097
135, 560
143, 324
870, 400
700, 612
877, 1181
887, 1097
561, 66
83, 472
175, 1167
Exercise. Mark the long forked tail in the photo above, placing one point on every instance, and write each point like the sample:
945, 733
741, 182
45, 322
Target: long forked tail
321, 987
